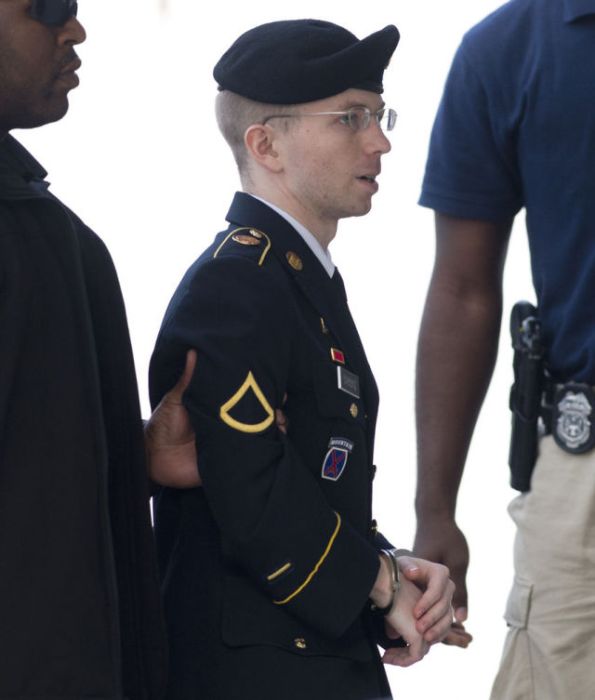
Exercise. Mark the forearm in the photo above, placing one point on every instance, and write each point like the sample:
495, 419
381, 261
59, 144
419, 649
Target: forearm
456, 356
297, 561
456, 353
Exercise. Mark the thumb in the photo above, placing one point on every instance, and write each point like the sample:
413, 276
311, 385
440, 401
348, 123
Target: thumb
459, 600
409, 566
461, 614
182, 384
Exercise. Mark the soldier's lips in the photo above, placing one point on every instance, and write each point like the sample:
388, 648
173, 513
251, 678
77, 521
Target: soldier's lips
369, 182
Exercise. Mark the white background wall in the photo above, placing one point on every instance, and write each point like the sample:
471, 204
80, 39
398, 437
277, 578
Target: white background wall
140, 159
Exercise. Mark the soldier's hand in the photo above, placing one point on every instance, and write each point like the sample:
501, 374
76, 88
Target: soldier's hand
433, 612
169, 437
401, 622
440, 540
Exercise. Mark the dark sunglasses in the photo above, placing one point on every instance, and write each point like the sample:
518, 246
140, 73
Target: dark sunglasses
53, 12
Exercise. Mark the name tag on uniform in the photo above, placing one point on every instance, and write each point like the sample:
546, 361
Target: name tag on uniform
348, 382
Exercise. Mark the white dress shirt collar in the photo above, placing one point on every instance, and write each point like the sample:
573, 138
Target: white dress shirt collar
309, 238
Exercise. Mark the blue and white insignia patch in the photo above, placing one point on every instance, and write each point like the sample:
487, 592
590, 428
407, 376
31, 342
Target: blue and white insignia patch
336, 458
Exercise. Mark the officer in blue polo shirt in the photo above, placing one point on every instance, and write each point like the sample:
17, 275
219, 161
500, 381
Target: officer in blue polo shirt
515, 129
272, 565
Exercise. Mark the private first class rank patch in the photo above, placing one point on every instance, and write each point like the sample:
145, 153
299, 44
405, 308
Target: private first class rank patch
336, 458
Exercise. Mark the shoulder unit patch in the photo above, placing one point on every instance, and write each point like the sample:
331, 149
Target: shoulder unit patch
335, 461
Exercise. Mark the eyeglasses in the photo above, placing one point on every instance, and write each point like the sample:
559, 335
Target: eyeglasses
54, 13
356, 118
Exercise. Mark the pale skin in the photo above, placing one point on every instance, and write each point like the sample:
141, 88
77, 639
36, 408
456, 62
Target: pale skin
422, 612
318, 170
456, 356
315, 168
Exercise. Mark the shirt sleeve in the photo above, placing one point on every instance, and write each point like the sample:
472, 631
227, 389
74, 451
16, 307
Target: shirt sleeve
471, 170
274, 520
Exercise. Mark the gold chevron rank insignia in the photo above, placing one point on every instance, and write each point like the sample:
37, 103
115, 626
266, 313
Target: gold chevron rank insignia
246, 399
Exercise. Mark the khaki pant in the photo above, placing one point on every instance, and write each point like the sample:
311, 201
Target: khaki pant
549, 653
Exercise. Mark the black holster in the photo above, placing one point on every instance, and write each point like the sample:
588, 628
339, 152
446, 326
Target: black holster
526, 393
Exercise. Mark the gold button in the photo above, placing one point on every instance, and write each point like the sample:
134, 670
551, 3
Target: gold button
300, 643
354, 410
294, 260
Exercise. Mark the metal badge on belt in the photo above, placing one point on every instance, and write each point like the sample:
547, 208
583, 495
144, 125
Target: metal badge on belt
572, 410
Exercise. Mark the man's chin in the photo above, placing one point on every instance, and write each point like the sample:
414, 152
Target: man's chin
51, 113
362, 210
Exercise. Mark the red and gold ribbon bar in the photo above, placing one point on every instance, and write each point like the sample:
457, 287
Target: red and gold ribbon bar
337, 356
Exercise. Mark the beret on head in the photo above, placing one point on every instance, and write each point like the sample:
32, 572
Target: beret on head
296, 61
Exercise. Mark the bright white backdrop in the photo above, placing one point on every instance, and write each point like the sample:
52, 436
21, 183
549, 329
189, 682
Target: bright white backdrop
140, 159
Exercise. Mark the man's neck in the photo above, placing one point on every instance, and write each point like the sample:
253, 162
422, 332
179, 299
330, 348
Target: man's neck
323, 231
309, 238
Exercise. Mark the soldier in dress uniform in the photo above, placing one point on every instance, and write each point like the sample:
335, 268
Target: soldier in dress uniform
276, 582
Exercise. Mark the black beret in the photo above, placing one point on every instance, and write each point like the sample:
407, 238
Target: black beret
303, 60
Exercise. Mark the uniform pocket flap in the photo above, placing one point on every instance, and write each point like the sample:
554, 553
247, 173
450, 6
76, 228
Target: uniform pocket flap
519, 604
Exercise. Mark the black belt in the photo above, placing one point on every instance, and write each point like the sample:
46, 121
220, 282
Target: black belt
568, 412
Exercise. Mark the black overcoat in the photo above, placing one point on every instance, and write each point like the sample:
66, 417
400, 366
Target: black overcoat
268, 567
79, 599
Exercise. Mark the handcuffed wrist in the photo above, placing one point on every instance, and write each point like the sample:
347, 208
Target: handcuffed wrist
390, 555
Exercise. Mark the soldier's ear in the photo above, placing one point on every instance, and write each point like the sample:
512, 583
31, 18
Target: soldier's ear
260, 141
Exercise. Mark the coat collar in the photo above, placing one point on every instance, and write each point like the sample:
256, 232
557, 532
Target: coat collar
18, 169
575, 9
287, 245
311, 277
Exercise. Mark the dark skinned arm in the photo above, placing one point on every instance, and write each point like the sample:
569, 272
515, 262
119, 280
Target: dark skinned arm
169, 437
457, 351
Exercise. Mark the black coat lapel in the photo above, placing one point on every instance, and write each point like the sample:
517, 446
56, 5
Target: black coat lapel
356, 347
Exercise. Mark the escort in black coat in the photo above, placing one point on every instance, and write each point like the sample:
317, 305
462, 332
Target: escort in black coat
268, 568
79, 599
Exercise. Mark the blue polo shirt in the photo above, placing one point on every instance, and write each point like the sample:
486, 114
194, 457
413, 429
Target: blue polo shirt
516, 128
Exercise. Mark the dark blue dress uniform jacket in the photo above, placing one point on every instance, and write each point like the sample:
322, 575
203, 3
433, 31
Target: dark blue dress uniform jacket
274, 558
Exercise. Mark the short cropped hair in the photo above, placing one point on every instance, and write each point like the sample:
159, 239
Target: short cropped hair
235, 114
